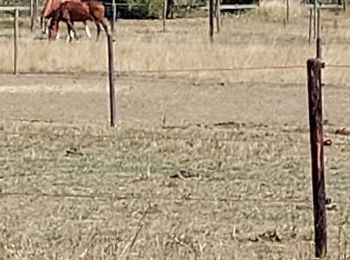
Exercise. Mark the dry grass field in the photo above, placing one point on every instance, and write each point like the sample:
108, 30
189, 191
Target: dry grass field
202, 165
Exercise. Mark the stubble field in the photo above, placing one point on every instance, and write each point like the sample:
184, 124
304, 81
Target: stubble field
209, 164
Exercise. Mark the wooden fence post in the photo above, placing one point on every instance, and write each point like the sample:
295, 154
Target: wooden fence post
314, 67
15, 41
31, 8
287, 11
165, 7
310, 26
112, 104
33, 15
211, 20
217, 15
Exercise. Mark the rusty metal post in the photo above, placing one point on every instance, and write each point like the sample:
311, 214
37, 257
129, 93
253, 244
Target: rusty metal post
211, 20
314, 67
15, 41
112, 103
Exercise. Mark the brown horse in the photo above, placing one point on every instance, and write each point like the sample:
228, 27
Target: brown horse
48, 10
70, 12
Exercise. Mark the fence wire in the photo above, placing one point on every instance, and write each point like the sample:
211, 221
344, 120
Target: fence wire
118, 197
178, 70
158, 137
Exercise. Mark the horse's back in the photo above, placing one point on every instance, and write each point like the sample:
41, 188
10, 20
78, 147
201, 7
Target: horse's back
52, 5
76, 11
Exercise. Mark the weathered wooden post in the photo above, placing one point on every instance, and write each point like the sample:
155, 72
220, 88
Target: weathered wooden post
211, 20
15, 41
31, 8
310, 26
112, 104
33, 15
287, 11
165, 7
217, 15
314, 67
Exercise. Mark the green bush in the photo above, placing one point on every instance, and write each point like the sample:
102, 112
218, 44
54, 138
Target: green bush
137, 9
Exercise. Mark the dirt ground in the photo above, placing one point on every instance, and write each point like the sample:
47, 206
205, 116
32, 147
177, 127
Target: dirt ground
200, 166
147, 100
73, 188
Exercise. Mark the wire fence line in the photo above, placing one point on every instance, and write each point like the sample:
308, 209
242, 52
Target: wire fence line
258, 202
168, 134
116, 197
153, 137
157, 71
178, 70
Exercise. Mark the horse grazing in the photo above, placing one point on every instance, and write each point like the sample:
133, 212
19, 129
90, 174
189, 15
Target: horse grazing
48, 11
70, 12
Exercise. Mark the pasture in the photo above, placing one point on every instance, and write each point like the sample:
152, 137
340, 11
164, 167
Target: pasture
204, 164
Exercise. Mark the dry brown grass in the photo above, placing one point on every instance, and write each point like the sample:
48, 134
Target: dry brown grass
125, 198
134, 209
141, 45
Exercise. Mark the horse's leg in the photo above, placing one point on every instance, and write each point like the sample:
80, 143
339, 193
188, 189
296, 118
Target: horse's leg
70, 34
98, 30
71, 27
87, 30
46, 26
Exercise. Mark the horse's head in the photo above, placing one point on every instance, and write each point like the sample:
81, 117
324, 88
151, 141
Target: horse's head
53, 30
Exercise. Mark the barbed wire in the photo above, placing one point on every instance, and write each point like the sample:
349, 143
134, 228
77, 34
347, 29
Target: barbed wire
344, 66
